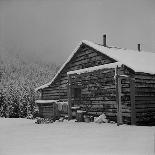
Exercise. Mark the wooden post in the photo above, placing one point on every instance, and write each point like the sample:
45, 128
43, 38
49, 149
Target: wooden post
54, 110
132, 98
118, 98
69, 98
59, 87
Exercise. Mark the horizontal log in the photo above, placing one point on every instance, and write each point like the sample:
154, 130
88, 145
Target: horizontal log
144, 98
141, 82
89, 76
125, 85
104, 102
145, 110
84, 51
144, 76
92, 57
146, 94
145, 114
54, 90
145, 85
145, 106
143, 102
145, 89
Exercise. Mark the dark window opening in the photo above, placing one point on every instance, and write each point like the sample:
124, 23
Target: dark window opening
77, 92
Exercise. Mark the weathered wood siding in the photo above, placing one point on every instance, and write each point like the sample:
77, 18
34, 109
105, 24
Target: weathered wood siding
48, 110
98, 94
84, 58
126, 94
145, 98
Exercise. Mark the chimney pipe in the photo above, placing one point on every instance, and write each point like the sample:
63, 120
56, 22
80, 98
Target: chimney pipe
104, 40
139, 48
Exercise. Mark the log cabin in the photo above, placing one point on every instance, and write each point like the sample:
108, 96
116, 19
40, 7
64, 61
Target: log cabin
100, 79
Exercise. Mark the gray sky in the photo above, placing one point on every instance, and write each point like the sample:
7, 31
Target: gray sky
51, 29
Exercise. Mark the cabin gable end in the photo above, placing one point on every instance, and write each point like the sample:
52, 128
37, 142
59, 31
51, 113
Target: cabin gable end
84, 57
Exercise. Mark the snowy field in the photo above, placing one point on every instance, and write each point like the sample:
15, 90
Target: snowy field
24, 137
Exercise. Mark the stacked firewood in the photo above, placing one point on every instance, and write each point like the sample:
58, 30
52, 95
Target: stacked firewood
44, 120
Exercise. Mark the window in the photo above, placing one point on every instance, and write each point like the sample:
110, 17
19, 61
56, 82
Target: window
77, 92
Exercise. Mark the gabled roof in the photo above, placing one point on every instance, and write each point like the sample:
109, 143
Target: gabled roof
137, 61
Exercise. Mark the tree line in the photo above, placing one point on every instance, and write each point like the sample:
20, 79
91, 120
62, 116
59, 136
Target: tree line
19, 77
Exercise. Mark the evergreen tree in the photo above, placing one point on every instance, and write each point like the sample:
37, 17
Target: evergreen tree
18, 78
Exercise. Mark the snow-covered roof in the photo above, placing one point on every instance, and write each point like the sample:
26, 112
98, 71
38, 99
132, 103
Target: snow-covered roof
45, 101
138, 61
91, 69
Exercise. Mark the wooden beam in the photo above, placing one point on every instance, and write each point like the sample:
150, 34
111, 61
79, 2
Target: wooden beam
54, 110
59, 87
132, 97
118, 98
119, 102
69, 98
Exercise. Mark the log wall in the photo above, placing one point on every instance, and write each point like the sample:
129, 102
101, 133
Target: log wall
145, 98
98, 94
84, 58
98, 91
126, 100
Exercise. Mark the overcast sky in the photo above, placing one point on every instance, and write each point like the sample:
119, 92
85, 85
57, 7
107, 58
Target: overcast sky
51, 29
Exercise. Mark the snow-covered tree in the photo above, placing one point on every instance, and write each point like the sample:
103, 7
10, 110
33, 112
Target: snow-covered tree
18, 78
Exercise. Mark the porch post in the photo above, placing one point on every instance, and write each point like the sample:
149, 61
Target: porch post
132, 96
69, 98
118, 98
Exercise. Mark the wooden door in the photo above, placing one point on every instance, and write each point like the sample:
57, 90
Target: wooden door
48, 111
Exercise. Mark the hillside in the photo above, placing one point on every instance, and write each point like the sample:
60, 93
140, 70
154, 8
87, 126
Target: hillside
20, 75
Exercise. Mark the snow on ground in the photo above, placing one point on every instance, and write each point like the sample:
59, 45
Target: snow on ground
24, 137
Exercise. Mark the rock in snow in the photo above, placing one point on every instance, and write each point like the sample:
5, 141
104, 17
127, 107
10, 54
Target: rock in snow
101, 119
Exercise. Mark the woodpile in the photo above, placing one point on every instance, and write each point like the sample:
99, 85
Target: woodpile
44, 121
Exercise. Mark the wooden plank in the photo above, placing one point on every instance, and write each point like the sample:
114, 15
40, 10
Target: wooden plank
55, 93
53, 110
145, 98
69, 98
144, 77
87, 57
145, 104
119, 102
145, 89
118, 98
132, 97
89, 62
147, 109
